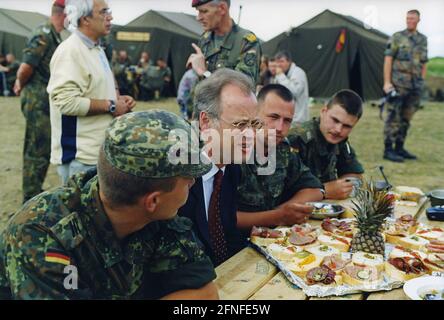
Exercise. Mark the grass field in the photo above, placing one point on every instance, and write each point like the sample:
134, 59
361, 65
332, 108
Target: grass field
435, 67
426, 139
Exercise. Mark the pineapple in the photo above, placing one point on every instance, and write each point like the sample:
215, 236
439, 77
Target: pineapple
370, 210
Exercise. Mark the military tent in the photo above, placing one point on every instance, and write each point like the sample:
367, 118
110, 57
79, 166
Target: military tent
166, 35
336, 52
15, 29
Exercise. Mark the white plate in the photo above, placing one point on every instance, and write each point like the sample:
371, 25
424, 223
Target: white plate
413, 288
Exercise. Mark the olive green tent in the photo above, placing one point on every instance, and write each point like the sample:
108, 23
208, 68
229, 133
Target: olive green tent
336, 52
15, 29
166, 35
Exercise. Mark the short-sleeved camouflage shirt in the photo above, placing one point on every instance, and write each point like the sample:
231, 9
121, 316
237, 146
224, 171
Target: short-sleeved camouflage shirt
39, 50
240, 51
409, 52
67, 229
266, 192
326, 161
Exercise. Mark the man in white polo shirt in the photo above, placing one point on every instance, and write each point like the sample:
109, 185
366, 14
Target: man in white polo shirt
82, 90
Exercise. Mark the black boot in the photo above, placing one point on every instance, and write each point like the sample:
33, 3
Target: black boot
391, 155
404, 153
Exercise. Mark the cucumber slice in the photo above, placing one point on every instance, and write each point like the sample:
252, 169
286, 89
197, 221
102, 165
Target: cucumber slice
363, 274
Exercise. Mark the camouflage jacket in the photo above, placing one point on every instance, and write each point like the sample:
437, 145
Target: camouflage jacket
409, 52
266, 192
326, 161
67, 227
240, 51
39, 51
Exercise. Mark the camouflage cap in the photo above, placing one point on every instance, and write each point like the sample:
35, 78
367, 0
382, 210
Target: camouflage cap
145, 143
197, 3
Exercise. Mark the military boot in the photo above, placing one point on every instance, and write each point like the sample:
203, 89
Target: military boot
404, 153
391, 155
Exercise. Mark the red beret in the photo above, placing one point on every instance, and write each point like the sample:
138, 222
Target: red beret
197, 3
59, 3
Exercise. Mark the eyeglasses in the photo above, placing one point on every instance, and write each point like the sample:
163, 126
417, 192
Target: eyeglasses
105, 12
244, 124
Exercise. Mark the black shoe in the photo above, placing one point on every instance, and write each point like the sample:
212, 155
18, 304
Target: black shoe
405, 154
393, 156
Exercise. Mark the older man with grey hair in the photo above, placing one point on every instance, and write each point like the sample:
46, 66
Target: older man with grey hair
225, 102
83, 94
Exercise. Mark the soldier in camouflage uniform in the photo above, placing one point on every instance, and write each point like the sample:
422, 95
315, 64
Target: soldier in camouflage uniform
224, 44
32, 80
276, 198
114, 235
404, 71
323, 144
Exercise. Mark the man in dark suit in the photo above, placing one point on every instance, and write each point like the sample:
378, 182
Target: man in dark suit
225, 102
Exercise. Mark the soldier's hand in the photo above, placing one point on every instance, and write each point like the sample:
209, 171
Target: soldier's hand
122, 107
130, 101
338, 189
388, 87
290, 213
17, 87
197, 61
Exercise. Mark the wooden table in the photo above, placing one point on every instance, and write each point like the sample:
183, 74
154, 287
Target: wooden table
249, 276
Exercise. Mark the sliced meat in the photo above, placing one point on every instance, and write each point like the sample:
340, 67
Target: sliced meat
266, 232
408, 265
335, 262
321, 275
299, 239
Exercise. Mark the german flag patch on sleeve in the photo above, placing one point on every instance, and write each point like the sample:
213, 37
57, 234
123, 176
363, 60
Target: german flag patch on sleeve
57, 256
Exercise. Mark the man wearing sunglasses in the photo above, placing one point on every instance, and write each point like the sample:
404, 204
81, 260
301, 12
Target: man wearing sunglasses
276, 198
227, 110
83, 93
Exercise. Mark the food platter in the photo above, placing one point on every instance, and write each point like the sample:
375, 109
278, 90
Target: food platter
320, 262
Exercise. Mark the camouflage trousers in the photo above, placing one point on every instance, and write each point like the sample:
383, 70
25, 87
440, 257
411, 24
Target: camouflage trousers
37, 145
399, 114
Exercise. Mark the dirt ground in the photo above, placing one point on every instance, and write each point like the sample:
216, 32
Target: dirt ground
426, 139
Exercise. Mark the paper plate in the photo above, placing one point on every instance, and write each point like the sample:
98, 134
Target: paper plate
416, 289
325, 210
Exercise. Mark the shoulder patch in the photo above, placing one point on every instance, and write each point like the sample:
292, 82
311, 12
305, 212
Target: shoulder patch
251, 37
250, 58
46, 30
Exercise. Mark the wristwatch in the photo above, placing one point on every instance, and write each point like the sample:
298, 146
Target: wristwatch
323, 192
112, 106
206, 74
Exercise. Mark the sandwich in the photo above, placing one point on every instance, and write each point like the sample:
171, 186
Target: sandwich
405, 268
280, 252
335, 241
335, 226
435, 262
302, 262
364, 259
414, 242
409, 193
335, 262
361, 276
323, 250
263, 236
322, 276
401, 252
431, 234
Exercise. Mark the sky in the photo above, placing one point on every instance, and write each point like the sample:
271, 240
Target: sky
268, 18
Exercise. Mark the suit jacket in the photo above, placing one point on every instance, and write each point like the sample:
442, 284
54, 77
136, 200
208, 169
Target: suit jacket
194, 209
